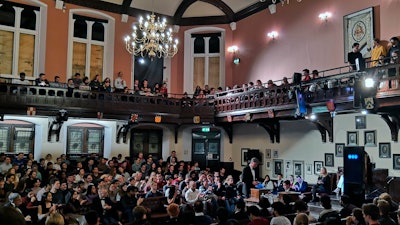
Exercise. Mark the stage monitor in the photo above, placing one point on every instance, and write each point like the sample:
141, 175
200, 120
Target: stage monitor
296, 78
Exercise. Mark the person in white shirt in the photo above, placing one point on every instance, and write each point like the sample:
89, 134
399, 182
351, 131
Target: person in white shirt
192, 194
21, 80
119, 83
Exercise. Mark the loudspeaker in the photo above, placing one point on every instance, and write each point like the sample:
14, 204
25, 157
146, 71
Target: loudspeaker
296, 78
355, 174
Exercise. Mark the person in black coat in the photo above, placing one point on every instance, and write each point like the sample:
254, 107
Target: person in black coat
106, 208
250, 176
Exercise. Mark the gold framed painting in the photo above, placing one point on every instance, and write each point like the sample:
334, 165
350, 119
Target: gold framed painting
359, 27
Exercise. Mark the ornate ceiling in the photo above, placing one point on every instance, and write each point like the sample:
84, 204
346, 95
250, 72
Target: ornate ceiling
182, 12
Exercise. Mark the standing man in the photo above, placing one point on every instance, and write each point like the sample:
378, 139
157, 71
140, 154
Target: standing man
353, 55
250, 176
377, 51
394, 46
119, 83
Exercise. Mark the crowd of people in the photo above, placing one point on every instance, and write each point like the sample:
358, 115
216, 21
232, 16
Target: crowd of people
111, 191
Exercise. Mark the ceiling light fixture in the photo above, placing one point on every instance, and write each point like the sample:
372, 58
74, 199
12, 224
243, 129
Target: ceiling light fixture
151, 38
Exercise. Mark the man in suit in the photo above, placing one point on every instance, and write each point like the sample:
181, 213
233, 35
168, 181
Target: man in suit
300, 185
106, 208
250, 176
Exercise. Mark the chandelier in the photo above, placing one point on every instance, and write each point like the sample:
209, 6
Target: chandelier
151, 38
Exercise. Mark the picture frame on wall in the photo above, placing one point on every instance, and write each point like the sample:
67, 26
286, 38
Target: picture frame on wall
329, 160
309, 170
298, 168
359, 27
275, 153
352, 138
244, 157
288, 167
268, 165
370, 138
384, 150
278, 167
268, 153
339, 148
361, 122
318, 166
396, 161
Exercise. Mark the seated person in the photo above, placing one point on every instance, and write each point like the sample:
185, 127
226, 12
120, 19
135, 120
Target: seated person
300, 185
153, 191
328, 212
356, 218
279, 184
21, 79
347, 206
286, 186
323, 184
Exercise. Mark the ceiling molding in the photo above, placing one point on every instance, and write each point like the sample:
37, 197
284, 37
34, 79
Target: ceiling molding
177, 19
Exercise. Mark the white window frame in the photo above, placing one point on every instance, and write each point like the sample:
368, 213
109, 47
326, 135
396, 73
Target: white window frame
40, 39
108, 44
189, 57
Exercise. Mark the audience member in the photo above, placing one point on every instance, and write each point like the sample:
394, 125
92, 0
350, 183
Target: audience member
347, 206
301, 219
278, 210
353, 55
384, 210
393, 47
371, 214
255, 216
356, 218
377, 51
328, 212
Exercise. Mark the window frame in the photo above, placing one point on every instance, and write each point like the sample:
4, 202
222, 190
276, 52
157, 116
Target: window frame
85, 140
39, 32
108, 43
12, 137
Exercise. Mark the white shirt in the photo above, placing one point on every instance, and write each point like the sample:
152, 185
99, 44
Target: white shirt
253, 172
119, 83
192, 196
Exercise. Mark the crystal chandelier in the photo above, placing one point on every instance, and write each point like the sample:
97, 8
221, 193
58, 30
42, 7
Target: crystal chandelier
151, 38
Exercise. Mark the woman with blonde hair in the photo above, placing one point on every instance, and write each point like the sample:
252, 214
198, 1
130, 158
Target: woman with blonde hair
301, 219
55, 219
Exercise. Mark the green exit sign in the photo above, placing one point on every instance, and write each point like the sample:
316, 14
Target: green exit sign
205, 129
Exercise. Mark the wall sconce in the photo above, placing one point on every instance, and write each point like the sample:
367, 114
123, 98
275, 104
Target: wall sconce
325, 16
273, 35
234, 49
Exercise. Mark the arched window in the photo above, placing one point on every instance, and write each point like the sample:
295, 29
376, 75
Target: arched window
20, 30
17, 137
91, 39
84, 139
205, 62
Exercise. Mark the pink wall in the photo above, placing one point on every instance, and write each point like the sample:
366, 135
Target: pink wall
304, 40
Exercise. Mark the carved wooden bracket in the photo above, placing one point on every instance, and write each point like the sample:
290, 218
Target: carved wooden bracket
324, 123
124, 130
272, 126
176, 129
56, 131
393, 121
228, 127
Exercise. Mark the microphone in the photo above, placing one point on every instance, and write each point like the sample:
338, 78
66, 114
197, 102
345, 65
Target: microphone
390, 180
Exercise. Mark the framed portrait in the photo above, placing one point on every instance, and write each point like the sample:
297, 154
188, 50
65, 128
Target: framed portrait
298, 168
339, 148
288, 167
278, 167
268, 165
396, 161
244, 156
359, 27
370, 138
275, 153
329, 160
384, 150
268, 153
361, 122
309, 170
318, 166
352, 138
